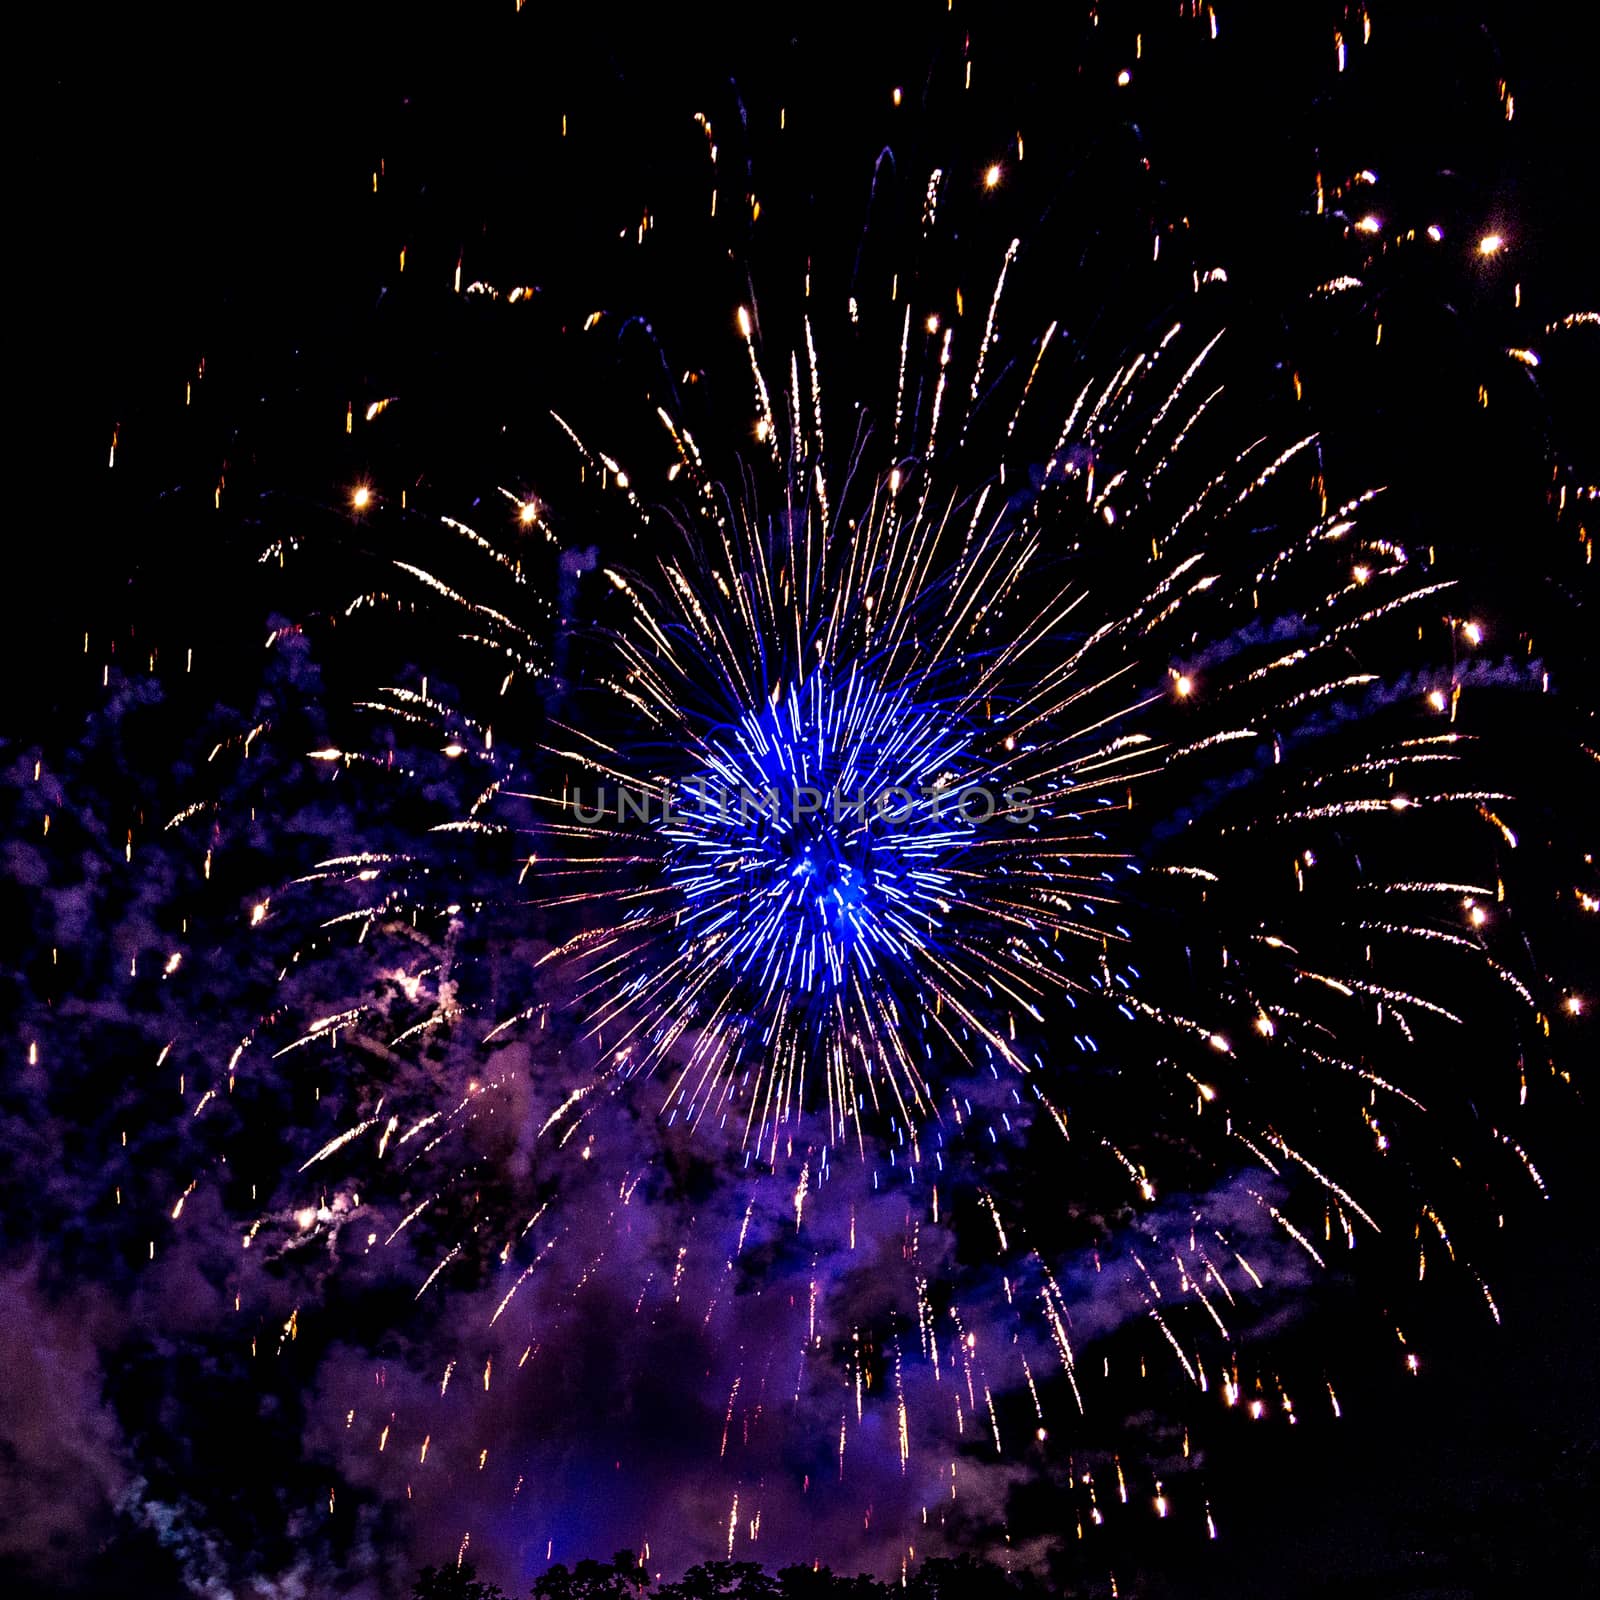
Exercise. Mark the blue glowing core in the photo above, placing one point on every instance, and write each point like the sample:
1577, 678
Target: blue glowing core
818, 839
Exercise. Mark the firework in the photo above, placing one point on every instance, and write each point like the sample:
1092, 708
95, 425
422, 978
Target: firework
930, 929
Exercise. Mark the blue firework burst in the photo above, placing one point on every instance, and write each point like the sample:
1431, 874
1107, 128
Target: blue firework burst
820, 834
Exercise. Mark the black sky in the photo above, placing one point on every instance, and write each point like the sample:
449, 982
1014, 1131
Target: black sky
197, 185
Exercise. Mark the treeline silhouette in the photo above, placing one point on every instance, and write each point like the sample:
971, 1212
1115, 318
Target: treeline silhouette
624, 1578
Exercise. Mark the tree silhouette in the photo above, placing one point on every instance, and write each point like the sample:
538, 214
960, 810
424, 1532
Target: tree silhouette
722, 1580
968, 1578
454, 1583
624, 1578
819, 1583
620, 1578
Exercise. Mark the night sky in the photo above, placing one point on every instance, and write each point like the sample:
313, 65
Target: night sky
267, 259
